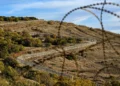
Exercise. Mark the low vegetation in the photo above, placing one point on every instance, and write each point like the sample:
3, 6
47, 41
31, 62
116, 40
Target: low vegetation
12, 42
12, 74
71, 56
53, 40
16, 19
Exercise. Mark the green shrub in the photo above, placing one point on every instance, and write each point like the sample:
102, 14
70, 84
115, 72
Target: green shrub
115, 83
15, 48
46, 79
1, 66
60, 41
34, 75
25, 83
49, 39
9, 61
71, 40
1, 32
31, 42
71, 57
83, 82
48, 44
25, 34
36, 42
42, 78
4, 82
10, 72
3, 49
112, 83
13, 18
27, 42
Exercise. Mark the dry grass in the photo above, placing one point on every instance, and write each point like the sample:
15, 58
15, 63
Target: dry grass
89, 65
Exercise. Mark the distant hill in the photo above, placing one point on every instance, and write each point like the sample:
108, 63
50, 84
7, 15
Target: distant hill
16, 19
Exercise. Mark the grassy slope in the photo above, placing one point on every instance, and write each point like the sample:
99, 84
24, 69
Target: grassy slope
94, 59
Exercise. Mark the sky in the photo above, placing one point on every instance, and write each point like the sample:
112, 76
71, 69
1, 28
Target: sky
56, 9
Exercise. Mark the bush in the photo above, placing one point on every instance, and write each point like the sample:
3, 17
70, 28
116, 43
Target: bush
112, 83
1, 32
115, 83
83, 82
60, 41
25, 34
3, 49
27, 42
71, 57
46, 79
42, 78
77, 82
4, 82
1, 19
51, 22
4, 53
71, 40
11, 62
31, 42
37, 43
10, 72
25, 82
15, 48
62, 84
48, 44
13, 18
34, 75
1, 66
49, 39
8, 43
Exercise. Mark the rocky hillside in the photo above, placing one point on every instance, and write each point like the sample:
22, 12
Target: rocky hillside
91, 63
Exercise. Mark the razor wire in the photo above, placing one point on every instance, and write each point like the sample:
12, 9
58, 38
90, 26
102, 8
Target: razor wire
104, 33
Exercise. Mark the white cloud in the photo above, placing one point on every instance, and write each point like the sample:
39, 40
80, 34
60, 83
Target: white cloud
44, 5
115, 31
53, 4
80, 19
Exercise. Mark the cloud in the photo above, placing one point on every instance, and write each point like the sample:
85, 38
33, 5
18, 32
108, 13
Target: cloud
52, 4
115, 31
80, 19
49, 16
42, 5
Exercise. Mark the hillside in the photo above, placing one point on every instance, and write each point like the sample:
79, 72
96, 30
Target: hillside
41, 36
51, 27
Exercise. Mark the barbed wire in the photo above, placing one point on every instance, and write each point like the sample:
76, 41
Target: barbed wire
104, 33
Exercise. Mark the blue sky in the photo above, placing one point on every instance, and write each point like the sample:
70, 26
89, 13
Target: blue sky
56, 9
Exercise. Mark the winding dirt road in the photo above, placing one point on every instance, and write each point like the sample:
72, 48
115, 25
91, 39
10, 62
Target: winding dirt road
27, 59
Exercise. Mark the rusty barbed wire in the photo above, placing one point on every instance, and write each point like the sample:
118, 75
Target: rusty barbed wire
104, 33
